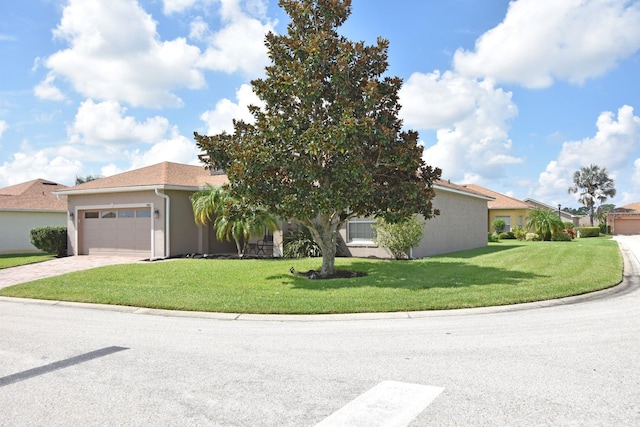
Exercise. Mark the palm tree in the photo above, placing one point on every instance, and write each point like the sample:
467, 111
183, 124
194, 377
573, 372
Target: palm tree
545, 222
594, 186
232, 218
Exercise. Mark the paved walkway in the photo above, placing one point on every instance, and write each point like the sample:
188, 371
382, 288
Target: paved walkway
26, 273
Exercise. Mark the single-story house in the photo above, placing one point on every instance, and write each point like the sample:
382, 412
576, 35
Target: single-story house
147, 212
625, 219
26, 206
514, 212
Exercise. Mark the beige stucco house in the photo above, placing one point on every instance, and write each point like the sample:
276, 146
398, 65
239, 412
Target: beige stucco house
24, 207
625, 219
514, 212
147, 212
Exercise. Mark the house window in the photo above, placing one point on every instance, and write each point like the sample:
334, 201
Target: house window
360, 230
129, 213
507, 222
143, 213
520, 221
91, 215
108, 214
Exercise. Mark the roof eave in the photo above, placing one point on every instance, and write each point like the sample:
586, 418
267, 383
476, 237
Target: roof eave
128, 189
465, 193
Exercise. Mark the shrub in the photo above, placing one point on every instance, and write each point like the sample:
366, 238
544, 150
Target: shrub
299, 243
493, 237
398, 238
560, 236
570, 232
498, 225
531, 237
507, 235
568, 225
519, 233
588, 231
52, 240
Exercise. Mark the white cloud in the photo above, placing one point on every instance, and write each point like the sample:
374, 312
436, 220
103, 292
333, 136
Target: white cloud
47, 91
221, 118
177, 149
115, 53
177, 6
613, 147
3, 127
471, 119
106, 124
540, 41
239, 45
32, 164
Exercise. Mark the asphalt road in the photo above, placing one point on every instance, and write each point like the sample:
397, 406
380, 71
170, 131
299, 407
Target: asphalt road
576, 363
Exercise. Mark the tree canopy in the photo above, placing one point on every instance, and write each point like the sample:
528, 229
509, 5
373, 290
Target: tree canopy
593, 185
328, 145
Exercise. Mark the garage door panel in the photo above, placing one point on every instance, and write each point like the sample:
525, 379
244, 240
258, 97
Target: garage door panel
115, 231
627, 226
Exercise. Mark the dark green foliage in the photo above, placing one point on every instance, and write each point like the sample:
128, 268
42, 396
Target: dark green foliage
498, 225
545, 222
568, 225
52, 239
299, 243
561, 236
493, 237
507, 235
588, 231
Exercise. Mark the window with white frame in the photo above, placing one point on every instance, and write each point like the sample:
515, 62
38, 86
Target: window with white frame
360, 230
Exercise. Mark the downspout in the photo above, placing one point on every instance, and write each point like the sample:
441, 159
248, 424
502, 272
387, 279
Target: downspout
167, 215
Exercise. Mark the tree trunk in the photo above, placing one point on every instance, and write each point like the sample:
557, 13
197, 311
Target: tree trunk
325, 235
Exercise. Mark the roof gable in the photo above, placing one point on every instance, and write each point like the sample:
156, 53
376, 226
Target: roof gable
500, 201
34, 195
165, 174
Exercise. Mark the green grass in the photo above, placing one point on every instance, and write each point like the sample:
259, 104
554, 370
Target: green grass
14, 260
502, 273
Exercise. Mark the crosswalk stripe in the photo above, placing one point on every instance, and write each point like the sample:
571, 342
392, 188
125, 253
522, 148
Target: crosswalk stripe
388, 404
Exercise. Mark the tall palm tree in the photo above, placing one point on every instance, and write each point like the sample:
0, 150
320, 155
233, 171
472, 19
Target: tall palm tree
594, 186
545, 222
232, 218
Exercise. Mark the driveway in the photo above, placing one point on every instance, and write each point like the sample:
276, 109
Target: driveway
566, 364
26, 273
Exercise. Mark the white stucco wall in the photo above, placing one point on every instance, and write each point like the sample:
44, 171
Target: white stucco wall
16, 225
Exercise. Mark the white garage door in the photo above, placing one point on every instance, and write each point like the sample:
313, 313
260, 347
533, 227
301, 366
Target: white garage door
115, 231
627, 226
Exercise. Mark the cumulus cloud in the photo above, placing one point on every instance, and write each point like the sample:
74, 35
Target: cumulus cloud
106, 124
31, 164
613, 147
239, 45
177, 6
221, 118
46, 89
115, 53
541, 41
177, 149
472, 122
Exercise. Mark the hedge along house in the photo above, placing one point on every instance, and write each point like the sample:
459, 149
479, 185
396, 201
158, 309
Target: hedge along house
26, 206
145, 212
460, 226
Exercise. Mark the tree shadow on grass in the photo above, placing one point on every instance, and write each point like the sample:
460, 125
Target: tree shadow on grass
413, 275
472, 253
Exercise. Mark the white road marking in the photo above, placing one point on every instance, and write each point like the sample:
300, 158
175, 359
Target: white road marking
388, 404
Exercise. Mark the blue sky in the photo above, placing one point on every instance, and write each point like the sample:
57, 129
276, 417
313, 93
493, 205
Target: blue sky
514, 96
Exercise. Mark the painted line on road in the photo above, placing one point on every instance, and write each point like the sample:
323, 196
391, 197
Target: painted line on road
388, 404
61, 364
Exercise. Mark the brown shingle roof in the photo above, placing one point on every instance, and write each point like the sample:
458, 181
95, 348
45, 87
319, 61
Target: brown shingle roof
461, 188
630, 208
35, 195
501, 201
166, 174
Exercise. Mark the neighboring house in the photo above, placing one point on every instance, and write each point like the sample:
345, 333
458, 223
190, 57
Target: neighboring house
576, 220
147, 212
460, 225
514, 212
625, 219
26, 206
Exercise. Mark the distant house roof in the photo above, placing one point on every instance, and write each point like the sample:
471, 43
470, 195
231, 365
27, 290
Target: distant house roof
165, 175
449, 186
35, 195
631, 208
500, 201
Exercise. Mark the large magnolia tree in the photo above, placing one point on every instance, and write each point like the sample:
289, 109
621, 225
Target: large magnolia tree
327, 146
593, 185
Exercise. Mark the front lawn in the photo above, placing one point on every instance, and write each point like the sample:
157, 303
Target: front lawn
14, 260
502, 273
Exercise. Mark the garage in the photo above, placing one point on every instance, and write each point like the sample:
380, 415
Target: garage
625, 219
115, 231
